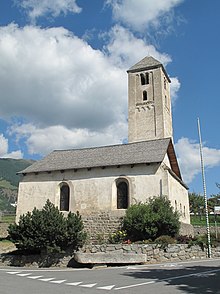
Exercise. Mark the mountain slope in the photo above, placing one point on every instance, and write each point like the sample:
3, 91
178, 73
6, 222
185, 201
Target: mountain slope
9, 181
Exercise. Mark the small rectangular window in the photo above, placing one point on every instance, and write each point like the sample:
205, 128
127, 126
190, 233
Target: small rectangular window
165, 83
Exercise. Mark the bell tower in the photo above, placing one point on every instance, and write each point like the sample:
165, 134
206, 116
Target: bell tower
149, 103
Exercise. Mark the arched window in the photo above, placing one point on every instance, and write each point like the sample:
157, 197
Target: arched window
144, 95
144, 78
147, 78
64, 197
122, 194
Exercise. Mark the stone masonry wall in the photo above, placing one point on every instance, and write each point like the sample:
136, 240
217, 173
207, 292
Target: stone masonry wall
153, 254
3, 230
198, 230
100, 225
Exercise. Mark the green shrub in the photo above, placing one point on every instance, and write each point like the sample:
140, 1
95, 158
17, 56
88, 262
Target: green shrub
183, 239
165, 240
200, 241
117, 237
47, 230
151, 220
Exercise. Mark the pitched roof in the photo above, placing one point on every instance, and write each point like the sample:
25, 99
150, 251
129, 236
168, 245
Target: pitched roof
124, 154
146, 63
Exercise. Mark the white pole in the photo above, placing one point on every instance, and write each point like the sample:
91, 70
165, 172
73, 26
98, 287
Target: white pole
204, 189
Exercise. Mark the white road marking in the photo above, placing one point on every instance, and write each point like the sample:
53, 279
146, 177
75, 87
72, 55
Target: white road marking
13, 273
47, 279
135, 285
24, 275
74, 284
106, 287
171, 265
35, 277
191, 275
167, 279
58, 281
88, 285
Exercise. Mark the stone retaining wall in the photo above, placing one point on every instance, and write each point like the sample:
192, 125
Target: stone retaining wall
198, 230
153, 252
99, 225
3, 230
113, 254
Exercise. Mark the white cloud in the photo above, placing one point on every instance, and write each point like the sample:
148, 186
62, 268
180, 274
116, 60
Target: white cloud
38, 8
189, 158
4, 149
51, 77
174, 88
57, 83
138, 15
125, 49
44, 140
3, 145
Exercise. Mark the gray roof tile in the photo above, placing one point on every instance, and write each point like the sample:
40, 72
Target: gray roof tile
124, 154
146, 62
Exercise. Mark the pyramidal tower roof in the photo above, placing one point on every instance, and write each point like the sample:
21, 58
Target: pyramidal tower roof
146, 63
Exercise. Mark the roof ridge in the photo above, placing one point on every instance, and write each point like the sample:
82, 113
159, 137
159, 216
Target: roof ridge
133, 153
147, 61
108, 146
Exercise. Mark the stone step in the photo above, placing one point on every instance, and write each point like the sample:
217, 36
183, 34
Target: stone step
110, 258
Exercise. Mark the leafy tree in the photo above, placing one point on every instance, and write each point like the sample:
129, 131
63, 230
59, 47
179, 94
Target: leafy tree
47, 230
196, 203
151, 220
214, 200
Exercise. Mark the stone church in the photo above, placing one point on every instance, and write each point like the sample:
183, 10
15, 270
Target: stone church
102, 182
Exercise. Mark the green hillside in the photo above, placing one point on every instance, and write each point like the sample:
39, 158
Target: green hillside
9, 181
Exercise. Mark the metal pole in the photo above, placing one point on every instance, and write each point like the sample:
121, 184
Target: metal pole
204, 189
216, 228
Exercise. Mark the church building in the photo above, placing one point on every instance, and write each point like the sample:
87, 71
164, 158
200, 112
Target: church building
107, 180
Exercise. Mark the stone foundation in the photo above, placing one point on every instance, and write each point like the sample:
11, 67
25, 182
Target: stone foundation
113, 254
143, 253
198, 230
99, 225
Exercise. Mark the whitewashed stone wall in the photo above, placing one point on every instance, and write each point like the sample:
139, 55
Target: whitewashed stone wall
151, 119
95, 190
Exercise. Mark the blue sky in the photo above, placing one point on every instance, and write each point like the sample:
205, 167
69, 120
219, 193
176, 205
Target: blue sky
63, 80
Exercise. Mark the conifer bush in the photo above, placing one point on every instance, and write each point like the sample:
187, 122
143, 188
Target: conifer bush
151, 220
47, 230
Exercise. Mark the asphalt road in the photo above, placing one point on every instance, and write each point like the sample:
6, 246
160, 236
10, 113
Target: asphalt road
186, 277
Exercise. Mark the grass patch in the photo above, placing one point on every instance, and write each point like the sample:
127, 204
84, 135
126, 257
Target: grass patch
200, 220
6, 245
9, 219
